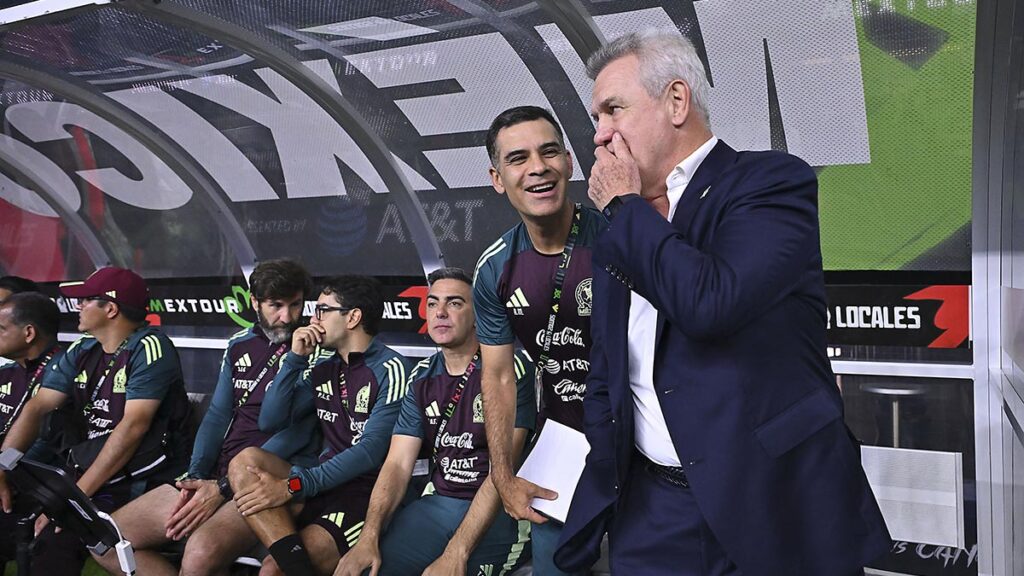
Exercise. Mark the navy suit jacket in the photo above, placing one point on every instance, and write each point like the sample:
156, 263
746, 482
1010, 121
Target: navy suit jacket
740, 369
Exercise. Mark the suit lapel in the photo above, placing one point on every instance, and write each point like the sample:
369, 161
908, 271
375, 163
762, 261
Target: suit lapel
697, 190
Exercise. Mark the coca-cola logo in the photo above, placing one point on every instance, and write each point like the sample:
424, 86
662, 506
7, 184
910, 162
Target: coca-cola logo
464, 440
563, 337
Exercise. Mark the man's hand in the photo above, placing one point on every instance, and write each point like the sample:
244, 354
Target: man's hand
267, 492
447, 565
41, 522
197, 501
517, 493
5, 494
306, 338
364, 555
615, 173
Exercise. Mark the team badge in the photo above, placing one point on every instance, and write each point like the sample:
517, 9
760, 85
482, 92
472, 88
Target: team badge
478, 409
584, 298
363, 399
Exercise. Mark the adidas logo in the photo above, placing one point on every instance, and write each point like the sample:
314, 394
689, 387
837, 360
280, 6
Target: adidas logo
324, 388
336, 518
82, 379
352, 534
243, 362
112, 293
5, 389
517, 302
433, 410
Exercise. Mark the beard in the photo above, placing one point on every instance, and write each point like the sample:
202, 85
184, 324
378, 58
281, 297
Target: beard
279, 333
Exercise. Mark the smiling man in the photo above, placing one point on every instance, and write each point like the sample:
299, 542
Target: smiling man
199, 508
541, 264
458, 528
337, 372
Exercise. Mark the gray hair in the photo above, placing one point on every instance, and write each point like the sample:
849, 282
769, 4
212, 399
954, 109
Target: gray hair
664, 58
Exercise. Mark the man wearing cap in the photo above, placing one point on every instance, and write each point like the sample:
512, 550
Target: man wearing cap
124, 384
199, 507
28, 337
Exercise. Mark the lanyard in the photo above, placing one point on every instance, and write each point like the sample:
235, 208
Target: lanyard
556, 298
96, 390
270, 364
450, 410
30, 388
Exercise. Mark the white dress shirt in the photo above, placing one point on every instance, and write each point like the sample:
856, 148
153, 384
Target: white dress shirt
652, 438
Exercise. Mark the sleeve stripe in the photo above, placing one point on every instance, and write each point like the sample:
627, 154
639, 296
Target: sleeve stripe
495, 248
520, 369
396, 379
153, 348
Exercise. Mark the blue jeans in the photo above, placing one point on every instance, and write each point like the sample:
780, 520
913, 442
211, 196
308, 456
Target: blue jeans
545, 542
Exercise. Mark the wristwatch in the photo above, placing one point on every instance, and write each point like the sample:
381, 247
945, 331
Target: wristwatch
225, 488
294, 485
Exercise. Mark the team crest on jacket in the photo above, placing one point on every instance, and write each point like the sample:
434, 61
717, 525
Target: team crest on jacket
363, 399
120, 380
584, 298
478, 409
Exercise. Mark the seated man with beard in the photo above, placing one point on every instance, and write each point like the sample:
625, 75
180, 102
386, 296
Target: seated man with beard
200, 509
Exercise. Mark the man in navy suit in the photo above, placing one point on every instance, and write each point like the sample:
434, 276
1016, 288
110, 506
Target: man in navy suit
716, 428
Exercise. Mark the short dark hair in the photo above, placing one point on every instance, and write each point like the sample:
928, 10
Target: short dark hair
514, 116
281, 278
134, 315
35, 309
363, 292
450, 273
17, 284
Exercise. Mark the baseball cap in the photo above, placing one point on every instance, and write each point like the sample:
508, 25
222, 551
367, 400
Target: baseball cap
119, 285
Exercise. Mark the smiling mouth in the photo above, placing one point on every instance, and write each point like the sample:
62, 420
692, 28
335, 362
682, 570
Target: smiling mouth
541, 188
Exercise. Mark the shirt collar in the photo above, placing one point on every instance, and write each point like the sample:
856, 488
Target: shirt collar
683, 173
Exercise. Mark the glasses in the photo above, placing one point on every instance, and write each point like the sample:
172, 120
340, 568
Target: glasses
86, 299
319, 310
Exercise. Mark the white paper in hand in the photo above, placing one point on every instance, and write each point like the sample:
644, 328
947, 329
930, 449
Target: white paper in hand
556, 463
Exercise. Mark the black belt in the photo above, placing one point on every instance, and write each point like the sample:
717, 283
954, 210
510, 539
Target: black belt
674, 475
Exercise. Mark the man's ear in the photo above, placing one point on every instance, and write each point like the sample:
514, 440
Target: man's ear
355, 316
31, 334
496, 181
113, 309
255, 303
678, 102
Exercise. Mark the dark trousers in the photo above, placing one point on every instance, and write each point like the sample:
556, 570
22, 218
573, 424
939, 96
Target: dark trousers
658, 529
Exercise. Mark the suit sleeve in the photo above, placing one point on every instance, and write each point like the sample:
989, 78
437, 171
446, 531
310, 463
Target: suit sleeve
765, 239
597, 410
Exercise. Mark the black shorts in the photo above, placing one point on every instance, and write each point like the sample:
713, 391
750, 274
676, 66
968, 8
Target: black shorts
341, 511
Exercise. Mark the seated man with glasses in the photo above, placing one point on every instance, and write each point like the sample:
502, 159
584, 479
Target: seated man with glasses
124, 384
459, 527
337, 370
199, 508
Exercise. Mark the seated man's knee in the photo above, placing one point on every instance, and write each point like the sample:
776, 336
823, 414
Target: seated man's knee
237, 472
203, 554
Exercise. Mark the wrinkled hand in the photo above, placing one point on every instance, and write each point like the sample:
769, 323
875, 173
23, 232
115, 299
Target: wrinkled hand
516, 496
446, 565
615, 172
306, 338
6, 497
364, 555
267, 492
197, 501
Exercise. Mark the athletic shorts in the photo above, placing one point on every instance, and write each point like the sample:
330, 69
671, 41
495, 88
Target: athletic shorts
341, 511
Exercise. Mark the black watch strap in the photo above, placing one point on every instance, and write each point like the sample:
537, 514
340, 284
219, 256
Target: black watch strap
225, 488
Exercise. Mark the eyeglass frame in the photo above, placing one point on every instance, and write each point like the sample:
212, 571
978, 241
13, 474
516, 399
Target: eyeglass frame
319, 309
86, 299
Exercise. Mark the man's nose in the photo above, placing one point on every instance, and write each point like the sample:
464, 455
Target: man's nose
603, 134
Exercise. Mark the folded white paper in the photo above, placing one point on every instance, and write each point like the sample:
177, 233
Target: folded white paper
556, 463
